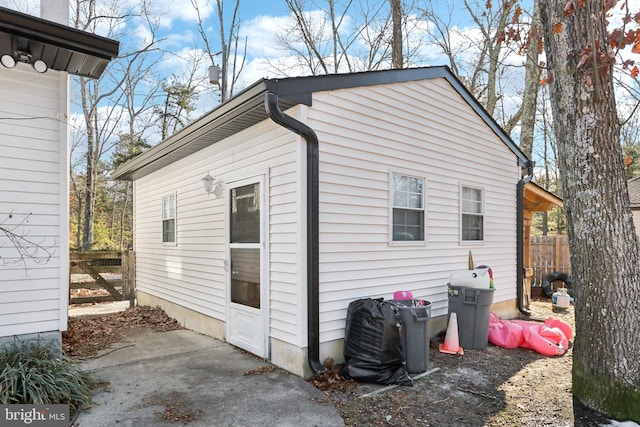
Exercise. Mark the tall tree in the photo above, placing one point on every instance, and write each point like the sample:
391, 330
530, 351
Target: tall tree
476, 54
492, 28
100, 100
605, 258
397, 57
526, 114
233, 57
176, 106
333, 36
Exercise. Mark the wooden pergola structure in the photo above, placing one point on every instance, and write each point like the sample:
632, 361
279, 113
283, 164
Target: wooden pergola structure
536, 199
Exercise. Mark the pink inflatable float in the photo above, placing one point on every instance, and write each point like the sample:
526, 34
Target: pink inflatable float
551, 338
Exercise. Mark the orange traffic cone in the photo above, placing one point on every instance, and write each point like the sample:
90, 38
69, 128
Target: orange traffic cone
451, 344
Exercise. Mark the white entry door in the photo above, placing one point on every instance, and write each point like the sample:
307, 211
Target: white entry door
247, 309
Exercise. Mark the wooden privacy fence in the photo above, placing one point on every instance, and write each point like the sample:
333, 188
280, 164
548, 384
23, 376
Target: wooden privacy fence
101, 276
549, 254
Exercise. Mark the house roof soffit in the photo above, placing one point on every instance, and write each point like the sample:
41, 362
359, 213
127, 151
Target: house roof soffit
61, 47
538, 199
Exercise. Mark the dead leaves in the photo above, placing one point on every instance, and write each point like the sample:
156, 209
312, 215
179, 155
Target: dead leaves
261, 370
330, 381
175, 409
86, 336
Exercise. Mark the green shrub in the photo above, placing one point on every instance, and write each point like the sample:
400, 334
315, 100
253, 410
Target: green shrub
33, 373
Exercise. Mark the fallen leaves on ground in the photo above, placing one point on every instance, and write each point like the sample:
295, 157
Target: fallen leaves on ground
331, 382
85, 336
261, 370
175, 409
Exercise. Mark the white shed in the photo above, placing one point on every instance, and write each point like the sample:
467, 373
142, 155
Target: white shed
366, 184
37, 55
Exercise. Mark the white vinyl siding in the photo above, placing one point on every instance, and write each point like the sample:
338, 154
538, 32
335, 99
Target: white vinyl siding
34, 190
424, 127
192, 274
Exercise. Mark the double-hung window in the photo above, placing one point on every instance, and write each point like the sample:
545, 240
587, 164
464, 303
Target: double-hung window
472, 214
408, 208
169, 219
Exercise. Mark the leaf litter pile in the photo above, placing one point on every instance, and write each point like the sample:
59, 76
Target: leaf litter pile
85, 336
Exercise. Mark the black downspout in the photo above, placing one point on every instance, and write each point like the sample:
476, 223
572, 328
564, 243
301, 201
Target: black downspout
520, 238
313, 277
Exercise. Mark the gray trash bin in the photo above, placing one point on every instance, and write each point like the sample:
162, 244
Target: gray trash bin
473, 310
414, 318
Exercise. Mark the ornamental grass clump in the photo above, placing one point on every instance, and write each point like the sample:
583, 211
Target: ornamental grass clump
36, 373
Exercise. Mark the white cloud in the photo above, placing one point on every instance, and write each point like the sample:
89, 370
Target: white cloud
170, 11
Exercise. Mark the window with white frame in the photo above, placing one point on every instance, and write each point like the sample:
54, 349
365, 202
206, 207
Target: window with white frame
472, 214
169, 218
408, 208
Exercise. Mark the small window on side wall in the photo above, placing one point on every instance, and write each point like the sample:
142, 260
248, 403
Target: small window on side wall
407, 208
169, 219
472, 214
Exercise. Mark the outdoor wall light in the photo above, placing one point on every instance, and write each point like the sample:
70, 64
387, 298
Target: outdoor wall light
40, 66
8, 60
210, 186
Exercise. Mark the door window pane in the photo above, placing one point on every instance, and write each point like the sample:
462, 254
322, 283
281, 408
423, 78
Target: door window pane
245, 277
245, 214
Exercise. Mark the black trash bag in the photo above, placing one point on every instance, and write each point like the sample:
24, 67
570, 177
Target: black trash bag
373, 343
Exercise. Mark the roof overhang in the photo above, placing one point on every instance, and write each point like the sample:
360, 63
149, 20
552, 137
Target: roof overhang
537, 199
241, 112
61, 47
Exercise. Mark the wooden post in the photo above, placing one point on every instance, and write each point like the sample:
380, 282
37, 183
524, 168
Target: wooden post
130, 272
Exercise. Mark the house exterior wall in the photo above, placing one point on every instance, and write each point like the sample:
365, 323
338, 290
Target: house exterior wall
34, 170
191, 274
419, 128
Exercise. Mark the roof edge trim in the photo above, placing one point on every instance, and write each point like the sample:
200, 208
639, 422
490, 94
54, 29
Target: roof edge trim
42, 30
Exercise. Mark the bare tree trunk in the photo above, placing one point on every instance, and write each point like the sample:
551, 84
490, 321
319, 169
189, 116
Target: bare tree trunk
225, 60
531, 86
604, 250
493, 45
397, 58
228, 47
123, 215
90, 165
78, 211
